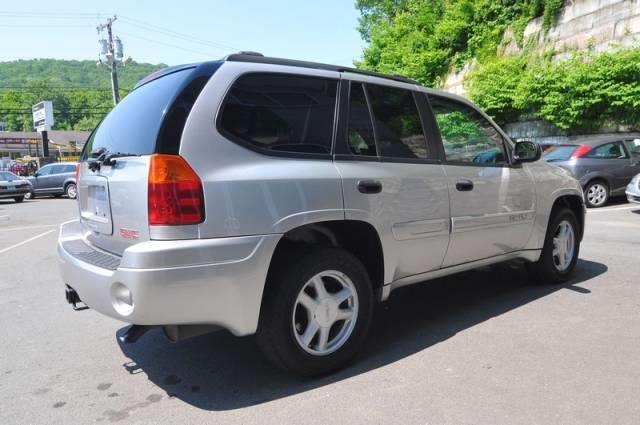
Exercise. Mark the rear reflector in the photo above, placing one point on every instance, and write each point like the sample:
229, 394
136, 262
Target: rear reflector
175, 192
581, 151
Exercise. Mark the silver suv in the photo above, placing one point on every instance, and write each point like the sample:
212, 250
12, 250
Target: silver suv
285, 198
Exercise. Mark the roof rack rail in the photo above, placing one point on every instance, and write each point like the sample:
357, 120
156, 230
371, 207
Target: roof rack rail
260, 58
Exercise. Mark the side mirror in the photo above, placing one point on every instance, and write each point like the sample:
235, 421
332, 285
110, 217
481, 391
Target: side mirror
526, 151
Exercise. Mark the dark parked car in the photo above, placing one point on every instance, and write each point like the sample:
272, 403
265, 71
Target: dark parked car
12, 186
604, 165
54, 179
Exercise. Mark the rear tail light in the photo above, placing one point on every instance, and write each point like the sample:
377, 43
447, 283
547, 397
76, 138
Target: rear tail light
581, 151
175, 192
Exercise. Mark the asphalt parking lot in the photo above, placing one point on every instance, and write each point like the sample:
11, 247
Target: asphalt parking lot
482, 347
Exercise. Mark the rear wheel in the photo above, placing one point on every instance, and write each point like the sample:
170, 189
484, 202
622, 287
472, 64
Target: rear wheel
71, 190
596, 193
19, 199
560, 251
316, 315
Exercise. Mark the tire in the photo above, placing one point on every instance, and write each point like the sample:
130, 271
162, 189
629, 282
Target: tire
71, 190
284, 319
18, 199
596, 194
549, 268
30, 195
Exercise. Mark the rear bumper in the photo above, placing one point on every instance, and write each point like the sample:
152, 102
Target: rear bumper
205, 281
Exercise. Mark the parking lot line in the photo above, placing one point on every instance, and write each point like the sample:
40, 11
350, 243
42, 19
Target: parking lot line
42, 226
2, 251
632, 207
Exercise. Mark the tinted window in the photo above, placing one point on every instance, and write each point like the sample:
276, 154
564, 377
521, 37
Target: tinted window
633, 146
466, 135
398, 127
57, 169
607, 151
69, 168
132, 126
559, 153
45, 170
360, 135
282, 113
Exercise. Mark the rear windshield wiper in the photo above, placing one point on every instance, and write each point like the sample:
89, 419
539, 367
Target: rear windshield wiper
104, 157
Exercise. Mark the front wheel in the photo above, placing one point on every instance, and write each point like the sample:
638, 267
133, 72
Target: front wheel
560, 251
316, 315
18, 199
71, 191
29, 195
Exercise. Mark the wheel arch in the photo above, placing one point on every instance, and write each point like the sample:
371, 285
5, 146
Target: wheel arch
573, 202
357, 237
598, 175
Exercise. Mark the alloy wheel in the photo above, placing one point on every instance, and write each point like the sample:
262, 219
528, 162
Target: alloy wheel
325, 313
72, 191
597, 194
563, 245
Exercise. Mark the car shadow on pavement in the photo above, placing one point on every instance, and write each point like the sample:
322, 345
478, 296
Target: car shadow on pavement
221, 372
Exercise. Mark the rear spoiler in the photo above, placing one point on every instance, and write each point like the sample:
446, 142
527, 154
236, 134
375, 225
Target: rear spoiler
161, 73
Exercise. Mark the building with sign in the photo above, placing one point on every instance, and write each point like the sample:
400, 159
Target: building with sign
64, 145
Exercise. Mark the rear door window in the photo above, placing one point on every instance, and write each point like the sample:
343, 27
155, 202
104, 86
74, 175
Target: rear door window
281, 113
398, 127
360, 134
607, 151
633, 146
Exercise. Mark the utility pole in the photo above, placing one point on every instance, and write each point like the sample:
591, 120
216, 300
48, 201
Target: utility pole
111, 50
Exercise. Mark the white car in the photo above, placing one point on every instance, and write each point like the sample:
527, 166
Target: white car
633, 190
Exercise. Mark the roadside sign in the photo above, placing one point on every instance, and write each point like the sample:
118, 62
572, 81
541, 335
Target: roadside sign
42, 115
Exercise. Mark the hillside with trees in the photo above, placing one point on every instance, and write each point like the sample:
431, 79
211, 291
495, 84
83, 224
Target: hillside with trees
426, 40
80, 90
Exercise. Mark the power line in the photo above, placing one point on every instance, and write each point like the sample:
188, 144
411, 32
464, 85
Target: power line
50, 15
171, 33
208, 55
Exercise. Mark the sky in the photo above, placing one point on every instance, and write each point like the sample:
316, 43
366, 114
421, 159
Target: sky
176, 32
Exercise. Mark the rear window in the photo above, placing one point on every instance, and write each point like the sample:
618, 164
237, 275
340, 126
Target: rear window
281, 113
132, 126
559, 153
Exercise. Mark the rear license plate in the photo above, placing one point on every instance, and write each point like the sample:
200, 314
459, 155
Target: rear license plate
97, 203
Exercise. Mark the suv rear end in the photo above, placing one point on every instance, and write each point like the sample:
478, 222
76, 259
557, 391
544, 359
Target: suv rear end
138, 252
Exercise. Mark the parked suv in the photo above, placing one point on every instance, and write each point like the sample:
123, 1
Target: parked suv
54, 179
285, 198
604, 165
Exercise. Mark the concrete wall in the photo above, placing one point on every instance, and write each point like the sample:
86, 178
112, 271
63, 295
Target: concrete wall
595, 25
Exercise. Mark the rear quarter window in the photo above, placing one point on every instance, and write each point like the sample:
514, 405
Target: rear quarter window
133, 125
279, 113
